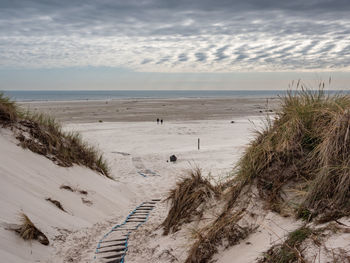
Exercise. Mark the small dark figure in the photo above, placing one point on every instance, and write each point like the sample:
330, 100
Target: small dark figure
157, 120
161, 121
173, 158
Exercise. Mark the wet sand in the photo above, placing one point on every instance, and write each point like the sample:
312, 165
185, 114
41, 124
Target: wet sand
151, 109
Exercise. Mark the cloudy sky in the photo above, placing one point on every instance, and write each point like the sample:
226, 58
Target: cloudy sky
172, 44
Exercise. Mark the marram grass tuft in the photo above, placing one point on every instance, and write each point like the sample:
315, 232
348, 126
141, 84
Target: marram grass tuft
43, 135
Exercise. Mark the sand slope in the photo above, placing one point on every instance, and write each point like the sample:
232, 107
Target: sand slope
27, 179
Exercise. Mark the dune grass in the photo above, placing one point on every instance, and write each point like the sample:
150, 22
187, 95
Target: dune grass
8, 110
28, 231
225, 227
307, 144
289, 250
305, 147
44, 135
186, 200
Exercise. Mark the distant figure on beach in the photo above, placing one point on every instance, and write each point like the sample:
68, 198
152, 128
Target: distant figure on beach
161, 121
157, 120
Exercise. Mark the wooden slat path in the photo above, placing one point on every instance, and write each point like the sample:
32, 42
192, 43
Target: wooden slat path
113, 246
141, 169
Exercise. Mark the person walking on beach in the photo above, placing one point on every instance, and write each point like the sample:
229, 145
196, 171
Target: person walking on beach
161, 121
157, 120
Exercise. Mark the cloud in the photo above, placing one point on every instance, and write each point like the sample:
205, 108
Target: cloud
182, 57
219, 54
201, 57
146, 60
181, 36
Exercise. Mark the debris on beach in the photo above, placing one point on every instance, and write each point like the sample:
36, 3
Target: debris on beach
173, 158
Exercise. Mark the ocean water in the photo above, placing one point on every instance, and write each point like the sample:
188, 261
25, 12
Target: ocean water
68, 95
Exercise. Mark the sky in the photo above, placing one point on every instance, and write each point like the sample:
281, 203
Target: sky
173, 44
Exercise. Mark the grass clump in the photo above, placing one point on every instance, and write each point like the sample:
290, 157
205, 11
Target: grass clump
304, 213
43, 135
8, 110
189, 200
224, 231
308, 143
289, 251
186, 200
28, 231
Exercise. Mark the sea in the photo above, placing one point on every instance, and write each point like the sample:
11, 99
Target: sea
73, 95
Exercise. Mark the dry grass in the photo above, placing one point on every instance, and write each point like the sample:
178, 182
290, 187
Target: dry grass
224, 231
28, 231
331, 188
307, 144
305, 148
8, 110
289, 251
43, 135
187, 200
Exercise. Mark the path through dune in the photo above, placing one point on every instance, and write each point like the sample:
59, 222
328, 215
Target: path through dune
138, 153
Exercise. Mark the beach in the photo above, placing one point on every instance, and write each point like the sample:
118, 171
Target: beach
134, 147
136, 110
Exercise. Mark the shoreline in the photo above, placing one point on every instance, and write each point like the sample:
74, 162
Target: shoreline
144, 98
97, 95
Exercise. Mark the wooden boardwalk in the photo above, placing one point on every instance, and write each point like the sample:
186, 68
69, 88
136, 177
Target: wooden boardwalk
113, 246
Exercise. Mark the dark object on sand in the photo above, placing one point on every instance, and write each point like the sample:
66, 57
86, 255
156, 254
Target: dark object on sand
157, 120
56, 203
173, 158
161, 121
232, 121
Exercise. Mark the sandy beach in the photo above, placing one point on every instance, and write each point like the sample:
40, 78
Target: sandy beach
131, 147
149, 109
